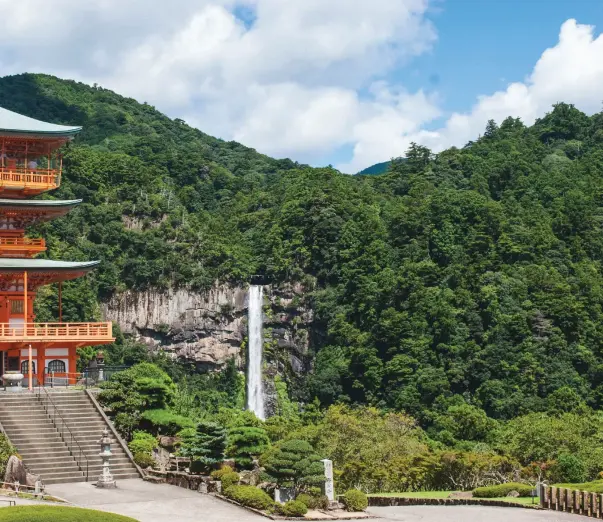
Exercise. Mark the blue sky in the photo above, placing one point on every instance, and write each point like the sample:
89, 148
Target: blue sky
343, 82
482, 46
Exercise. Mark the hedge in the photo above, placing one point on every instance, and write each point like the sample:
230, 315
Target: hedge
502, 490
249, 496
355, 500
294, 508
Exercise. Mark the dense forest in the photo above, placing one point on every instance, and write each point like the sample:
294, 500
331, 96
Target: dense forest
468, 281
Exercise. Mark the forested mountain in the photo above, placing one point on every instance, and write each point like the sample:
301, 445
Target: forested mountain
373, 170
469, 276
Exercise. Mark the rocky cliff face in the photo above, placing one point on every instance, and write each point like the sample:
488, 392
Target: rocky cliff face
210, 328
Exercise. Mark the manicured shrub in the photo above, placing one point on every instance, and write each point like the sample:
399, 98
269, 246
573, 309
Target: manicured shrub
294, 463
164, 422
502, 490
229, 479
142, 442
294, 508
206, 445
217, 474
308, 500
245, 443
249, 496
355, 500
144, 460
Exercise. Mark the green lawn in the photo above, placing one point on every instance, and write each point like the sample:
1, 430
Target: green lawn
57, 514
596, 486
446, 494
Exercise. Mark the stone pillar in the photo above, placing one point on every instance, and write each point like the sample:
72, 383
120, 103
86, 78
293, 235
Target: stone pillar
105, 480
329, 488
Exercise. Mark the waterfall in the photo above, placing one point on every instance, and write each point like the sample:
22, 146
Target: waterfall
255, 388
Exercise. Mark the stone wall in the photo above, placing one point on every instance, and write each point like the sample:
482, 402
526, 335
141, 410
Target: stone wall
407, 501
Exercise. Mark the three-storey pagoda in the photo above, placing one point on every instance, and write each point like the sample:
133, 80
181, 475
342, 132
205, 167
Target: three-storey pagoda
31, 164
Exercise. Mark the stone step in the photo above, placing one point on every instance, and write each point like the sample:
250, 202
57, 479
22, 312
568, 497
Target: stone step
62, 474
68, 480
33, 453
41, 459
34, 445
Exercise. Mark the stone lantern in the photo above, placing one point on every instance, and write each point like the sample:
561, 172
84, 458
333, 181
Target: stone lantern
100, 360
105, 480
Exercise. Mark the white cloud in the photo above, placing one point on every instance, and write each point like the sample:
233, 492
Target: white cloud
571, 72
287, 83
297, 80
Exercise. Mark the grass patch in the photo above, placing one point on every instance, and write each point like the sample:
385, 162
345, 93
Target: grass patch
596, 486
414, 494
57, 514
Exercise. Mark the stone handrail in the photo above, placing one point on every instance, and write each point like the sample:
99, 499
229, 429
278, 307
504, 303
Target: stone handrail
117, 436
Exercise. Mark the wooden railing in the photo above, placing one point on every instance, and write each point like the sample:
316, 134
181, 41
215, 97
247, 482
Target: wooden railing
22, 242
23, 177
40, 332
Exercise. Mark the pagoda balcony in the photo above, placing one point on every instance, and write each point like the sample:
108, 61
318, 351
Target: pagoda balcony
21, 246
19, 181
81, 334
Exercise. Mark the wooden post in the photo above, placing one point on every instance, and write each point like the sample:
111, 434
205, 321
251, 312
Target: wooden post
600, 507
60, 301
554, 501
30, 354
592, 504
542, 495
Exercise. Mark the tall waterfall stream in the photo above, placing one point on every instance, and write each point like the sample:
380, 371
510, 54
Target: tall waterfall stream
255, 387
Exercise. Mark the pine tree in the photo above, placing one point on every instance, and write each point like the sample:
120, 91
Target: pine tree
245, 443
206, 445
294, 464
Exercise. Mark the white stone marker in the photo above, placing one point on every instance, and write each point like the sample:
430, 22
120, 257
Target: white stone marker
329, 488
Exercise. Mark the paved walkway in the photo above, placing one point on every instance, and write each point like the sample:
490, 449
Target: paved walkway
470, 514
148, 502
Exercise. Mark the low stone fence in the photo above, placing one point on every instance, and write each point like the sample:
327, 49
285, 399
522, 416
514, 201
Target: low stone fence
571, 501
201, 483
409, 501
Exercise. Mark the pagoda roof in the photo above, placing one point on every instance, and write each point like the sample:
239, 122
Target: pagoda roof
45, 265
14, 124
39, 203
40, 271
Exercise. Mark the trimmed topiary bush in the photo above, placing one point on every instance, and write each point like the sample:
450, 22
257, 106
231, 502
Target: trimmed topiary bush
218, 473
142, 442
308, 500
164, 422
229, 479
502, 490
355, 500
249, 496
294, 508
205, 445
144, 460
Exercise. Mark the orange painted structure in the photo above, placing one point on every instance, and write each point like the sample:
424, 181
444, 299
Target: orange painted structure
30, 164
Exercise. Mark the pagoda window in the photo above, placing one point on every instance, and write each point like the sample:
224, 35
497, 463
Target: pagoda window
16, 307
57, 366
24, 367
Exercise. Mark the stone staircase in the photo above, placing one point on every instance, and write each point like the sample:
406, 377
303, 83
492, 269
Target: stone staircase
30, 427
